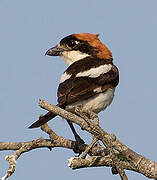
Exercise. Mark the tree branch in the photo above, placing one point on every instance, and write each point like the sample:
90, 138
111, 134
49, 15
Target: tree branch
138, 162
115, 154
54, 141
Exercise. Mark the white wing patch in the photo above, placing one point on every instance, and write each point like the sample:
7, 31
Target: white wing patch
95, 72
98, 90
64, 77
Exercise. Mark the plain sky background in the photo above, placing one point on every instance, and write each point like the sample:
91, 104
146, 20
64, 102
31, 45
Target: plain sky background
28, 29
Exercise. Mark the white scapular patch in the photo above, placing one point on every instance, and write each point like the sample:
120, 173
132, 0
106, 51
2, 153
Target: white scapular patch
98, 90
95, 72
71, 56
64, 77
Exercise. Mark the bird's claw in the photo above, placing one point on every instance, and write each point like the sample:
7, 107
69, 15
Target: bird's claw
77, 146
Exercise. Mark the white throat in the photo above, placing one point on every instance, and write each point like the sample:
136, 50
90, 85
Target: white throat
71, 56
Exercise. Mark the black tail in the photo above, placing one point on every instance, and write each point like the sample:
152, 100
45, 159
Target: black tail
42, 120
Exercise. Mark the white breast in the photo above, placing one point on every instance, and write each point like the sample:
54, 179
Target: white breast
96, 103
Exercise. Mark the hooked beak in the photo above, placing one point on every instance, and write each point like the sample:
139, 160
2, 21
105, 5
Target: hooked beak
55, 51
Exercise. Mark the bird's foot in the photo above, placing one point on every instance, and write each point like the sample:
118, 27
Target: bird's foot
78, 144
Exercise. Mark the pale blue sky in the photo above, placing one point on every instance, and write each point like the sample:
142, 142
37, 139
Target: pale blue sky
28, 29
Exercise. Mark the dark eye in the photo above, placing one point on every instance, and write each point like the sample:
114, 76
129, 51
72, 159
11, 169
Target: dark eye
72, 43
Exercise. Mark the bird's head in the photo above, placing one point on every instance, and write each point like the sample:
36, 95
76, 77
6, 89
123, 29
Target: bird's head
79, 46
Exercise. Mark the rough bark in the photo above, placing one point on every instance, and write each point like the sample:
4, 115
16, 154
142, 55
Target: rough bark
113, 154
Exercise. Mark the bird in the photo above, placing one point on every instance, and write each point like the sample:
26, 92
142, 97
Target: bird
90, 78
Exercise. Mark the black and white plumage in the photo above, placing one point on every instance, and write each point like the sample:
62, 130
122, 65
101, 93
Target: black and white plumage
91, 78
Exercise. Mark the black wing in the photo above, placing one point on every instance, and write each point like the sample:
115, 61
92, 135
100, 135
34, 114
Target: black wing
80, 88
